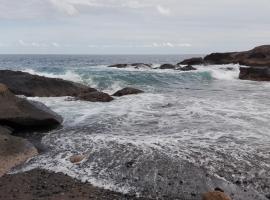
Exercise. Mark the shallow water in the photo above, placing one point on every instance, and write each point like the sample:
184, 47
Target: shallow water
202, 122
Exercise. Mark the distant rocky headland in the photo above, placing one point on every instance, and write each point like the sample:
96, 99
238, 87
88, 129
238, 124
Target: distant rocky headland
19, 115
255, 63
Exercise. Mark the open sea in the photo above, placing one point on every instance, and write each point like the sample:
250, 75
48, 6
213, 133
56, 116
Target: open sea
188, 132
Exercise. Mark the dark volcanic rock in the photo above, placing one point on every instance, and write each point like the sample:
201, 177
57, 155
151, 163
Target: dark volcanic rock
19, 113
43, 185
220, 58
187, 68
119, 65
134, 65
255, 73
21, 83
95, 97
141, 65
167, 66
259, 56
192, 61
13, 150
127, 91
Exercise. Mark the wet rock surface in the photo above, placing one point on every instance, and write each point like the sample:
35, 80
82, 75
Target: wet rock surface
22, 83
167, 66
127, 91
13, 150
187, 68
255, 73
192, 61
95, 97
19, 113
43, 185
215, 195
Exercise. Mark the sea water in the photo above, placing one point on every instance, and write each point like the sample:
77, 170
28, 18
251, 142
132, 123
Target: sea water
145, 144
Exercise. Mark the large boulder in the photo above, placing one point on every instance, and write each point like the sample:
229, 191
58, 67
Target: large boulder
13, 150
21, 114
21, 83
167, 66
255, 73
95, 97
192, 61
127, 91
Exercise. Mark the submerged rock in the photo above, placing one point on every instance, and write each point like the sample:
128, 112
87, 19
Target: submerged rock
192, 61
141, 65
255, 73
19, 113
22, 83
187, 68
133, 65
13, 150
167, 66
95, 97
215, 195
119, 65
127, 91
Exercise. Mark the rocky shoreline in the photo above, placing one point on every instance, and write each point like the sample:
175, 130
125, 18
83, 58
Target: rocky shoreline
19, 115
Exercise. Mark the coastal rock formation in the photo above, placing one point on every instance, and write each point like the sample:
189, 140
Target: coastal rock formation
13, 150
119, 65
127, 91
259, 56
167, 66
19, 113
192, 61
133, 65
255, 73
215, 195
187, 68
95, 97
21, 83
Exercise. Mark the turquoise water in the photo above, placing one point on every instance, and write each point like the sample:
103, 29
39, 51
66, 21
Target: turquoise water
207, 118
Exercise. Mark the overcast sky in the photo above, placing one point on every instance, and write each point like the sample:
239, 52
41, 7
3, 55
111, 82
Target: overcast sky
132, 26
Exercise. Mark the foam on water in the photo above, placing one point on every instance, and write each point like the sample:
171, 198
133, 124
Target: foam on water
137, 144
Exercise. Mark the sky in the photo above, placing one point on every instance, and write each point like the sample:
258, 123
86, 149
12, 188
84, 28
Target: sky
132, 26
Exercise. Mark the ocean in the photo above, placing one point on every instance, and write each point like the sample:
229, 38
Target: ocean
206, 122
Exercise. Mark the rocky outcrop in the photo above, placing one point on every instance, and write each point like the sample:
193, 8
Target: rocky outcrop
127, 91
119, 65
259, 56
95, 97
13, 150
255, 73
133, 65
19, 113
21, 83
187, 68
192, 61
141, 65
167, 66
